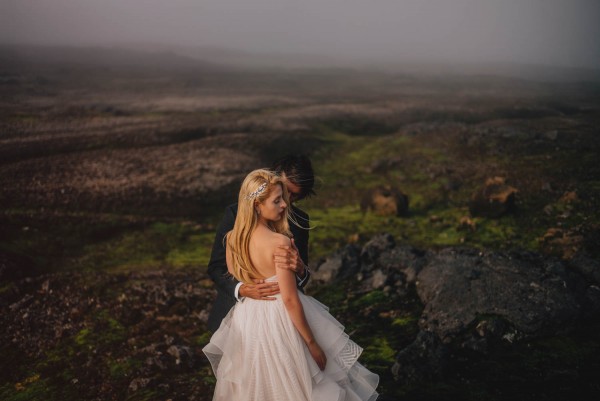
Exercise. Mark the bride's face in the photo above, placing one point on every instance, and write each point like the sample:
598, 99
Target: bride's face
272, 208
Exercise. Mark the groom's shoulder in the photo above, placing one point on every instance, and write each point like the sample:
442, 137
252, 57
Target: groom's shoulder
228, 218
231, 210
299, 212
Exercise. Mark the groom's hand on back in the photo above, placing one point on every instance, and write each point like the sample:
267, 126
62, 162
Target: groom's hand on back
261, 290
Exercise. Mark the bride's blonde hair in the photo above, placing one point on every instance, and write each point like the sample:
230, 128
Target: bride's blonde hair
257, 186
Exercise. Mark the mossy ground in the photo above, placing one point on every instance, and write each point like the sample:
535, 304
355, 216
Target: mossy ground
425, 168
375, 320
61, 367
114, 244
380, 322
442, 139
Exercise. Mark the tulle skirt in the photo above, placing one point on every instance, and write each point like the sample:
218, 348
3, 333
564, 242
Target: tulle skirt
258, 355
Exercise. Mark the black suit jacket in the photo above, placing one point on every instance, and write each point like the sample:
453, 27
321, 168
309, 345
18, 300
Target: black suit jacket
217, 267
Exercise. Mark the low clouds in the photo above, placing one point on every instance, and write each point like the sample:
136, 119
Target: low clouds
553, 32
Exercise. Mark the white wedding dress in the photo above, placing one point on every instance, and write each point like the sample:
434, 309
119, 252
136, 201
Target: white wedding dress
258, 355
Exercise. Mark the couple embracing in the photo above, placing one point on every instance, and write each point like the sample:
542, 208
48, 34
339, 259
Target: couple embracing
271, 342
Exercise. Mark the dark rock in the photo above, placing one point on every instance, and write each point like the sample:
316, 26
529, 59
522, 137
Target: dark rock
551, 135
382, 166
533, 294
15, 267
491, 327
379, 279
385, 201
476, 344
489, 331
587, 266
373, 249
424, 359
452, 184
183, 355
404, 259
339, 266
494, 199
139, 383
592, 293
158, 362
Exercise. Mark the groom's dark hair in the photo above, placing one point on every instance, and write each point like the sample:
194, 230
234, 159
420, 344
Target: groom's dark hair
298, 169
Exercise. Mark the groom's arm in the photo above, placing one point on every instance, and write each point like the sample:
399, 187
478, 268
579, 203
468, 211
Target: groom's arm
217, 267
301, 242
295, 256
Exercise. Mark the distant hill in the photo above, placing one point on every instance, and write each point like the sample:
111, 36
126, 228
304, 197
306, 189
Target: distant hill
157, 57
102, 57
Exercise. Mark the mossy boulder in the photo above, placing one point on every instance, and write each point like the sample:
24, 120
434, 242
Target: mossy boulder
385, 200
495, 199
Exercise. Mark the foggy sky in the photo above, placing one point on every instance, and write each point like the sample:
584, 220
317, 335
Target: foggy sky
551, 32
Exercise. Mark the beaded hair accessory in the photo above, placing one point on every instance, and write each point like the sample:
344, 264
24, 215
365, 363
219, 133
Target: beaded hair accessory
256, 193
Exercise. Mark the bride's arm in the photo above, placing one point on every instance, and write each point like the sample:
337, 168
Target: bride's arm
291, 300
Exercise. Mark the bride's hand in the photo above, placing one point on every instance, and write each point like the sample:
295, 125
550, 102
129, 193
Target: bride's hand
318, 355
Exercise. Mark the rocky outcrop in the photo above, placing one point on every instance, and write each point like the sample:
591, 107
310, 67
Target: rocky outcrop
385, 200
494, 199
472, 300
460, 288
425, 358
342, 264
379, 263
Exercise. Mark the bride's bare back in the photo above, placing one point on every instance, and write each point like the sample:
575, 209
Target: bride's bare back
263, 244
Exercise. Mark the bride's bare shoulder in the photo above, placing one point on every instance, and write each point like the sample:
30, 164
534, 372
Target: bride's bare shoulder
280, 239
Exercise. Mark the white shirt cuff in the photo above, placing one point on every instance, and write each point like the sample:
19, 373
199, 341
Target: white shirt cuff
302, 280
237, 292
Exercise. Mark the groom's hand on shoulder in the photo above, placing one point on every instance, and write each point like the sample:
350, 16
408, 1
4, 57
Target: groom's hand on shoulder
260, 290
286, 257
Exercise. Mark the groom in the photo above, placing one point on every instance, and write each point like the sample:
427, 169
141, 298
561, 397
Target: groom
297, 173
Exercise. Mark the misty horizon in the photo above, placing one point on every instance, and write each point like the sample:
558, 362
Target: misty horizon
550, 33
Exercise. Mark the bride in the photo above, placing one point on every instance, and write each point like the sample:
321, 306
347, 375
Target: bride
288, 349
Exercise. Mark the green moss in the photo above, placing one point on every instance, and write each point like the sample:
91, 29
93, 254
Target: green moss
176, 244
123, 368
333, 228
27, 391
345, 165
374, 297
82, 337
207, 376
145, 394
6, 287
335, 296
114, 245
405, 321
203, 339
193, 251
36, 387
104, 332
378, 353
